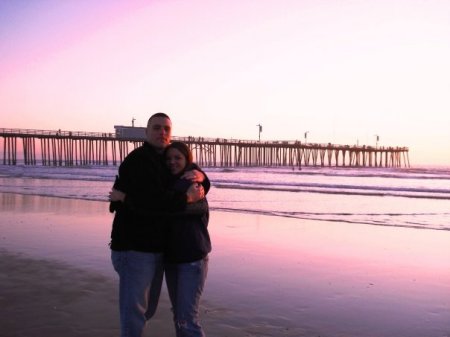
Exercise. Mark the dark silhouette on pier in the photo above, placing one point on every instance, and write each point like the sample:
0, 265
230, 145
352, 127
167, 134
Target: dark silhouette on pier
76, 148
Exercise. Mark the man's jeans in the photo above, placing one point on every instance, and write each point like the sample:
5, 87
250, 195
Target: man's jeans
185, 282
141, 276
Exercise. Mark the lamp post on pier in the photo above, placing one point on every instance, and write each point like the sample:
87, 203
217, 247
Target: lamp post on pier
259, 132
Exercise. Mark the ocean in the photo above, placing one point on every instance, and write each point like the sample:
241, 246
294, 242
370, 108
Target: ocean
414, 197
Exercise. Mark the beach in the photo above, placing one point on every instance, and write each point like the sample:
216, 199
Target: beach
268, 275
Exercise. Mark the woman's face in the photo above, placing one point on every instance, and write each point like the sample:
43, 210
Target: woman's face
175, 161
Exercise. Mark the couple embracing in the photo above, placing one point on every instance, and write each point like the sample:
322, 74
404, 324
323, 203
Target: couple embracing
160, 227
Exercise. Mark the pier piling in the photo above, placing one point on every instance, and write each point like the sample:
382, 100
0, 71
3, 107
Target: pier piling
74, 148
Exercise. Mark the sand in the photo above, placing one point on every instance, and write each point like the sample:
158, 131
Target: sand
50, 298
269, 276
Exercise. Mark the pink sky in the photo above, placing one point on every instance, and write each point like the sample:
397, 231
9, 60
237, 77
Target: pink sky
344, 71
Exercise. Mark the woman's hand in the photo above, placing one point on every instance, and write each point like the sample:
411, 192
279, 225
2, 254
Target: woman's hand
116, 195
195, 193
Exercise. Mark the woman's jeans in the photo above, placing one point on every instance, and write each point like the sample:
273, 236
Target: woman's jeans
185, 282
141, 276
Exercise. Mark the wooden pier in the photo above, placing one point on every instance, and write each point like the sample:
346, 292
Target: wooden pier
75, 148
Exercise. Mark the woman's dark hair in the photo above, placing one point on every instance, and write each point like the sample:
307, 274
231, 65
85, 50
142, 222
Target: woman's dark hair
183, 148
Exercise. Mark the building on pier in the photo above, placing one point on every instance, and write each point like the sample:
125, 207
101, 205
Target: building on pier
76, 148
129, 132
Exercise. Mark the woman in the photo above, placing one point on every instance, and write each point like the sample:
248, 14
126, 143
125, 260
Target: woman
187, 249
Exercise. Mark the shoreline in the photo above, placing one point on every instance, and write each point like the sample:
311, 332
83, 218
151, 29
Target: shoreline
269, 276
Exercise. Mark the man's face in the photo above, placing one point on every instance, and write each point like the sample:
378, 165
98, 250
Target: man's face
159, 132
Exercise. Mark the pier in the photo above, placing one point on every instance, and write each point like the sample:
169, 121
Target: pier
78, 148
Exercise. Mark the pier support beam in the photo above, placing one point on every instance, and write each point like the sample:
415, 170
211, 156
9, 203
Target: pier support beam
68, 148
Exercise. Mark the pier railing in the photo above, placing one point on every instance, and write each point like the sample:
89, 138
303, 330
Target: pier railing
80, 148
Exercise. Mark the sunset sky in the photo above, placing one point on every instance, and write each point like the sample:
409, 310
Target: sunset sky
344, 71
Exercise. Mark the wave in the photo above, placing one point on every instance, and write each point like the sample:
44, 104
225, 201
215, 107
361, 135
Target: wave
416, 220
342, 189
404, 219
409, 183
85, 173
276, 191
395, 173
102, 173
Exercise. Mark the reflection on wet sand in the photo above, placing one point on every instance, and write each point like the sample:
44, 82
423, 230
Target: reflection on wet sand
268, 275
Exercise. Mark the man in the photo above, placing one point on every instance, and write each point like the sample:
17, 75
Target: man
140, 200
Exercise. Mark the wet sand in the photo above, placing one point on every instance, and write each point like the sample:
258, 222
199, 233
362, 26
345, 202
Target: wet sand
50, 298
269, 276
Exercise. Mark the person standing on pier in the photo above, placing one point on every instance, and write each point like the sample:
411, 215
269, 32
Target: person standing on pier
140, 199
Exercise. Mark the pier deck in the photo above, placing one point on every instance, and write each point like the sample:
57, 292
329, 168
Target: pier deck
78, 148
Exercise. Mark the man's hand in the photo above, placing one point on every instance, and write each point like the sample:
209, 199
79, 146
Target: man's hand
195, 193
116, 195
194, 175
